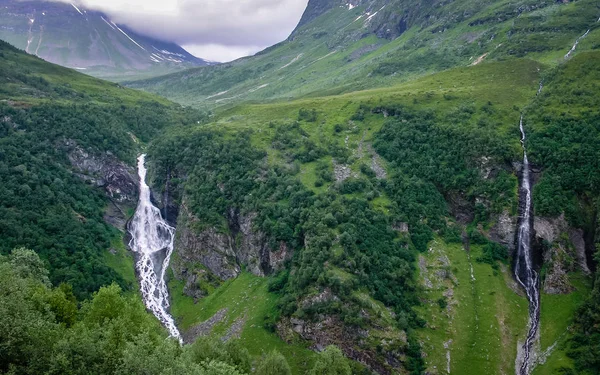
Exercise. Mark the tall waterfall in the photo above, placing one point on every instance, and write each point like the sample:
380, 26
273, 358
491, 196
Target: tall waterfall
152, 241
524, 272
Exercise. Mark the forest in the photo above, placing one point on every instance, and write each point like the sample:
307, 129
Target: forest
47, 330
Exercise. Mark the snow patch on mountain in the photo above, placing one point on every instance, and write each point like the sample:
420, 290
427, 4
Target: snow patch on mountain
124, 33
77, 9
291, 62
217, 94
108, 23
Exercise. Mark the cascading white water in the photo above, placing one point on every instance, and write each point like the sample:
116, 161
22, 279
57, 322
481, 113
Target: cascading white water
152, 241
524, 269
576, 44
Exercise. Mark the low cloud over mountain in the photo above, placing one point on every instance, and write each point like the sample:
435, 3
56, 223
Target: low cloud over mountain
215, 29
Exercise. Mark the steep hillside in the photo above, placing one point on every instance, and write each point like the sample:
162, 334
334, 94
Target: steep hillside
344, 46
87, 40
67, 146
387, 219
366, 185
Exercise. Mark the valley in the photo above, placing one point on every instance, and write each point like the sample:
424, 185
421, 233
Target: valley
395, 189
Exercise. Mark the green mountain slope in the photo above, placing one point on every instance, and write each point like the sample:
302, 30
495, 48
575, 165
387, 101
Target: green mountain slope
342, 48
375, 210
437, 159
59, 130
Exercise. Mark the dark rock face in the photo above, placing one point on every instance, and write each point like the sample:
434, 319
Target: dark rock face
461, 208
206, 250
105, 171
356, 343
564, 252
504, 231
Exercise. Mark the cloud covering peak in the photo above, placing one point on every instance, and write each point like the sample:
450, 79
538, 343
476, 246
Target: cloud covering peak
219, 30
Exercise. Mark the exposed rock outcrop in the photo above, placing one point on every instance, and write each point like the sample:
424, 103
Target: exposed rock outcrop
504, 231
359, 344
204, 328
106, 171
200, 251
565, 252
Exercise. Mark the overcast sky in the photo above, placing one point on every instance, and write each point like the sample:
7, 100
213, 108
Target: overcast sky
218, 30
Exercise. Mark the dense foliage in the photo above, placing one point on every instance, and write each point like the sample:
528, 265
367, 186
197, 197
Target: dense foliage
43, 204
565, 141
44, 330
342, 244
433, 159
584, 346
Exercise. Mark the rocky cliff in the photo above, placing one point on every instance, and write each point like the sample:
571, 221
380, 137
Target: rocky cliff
564, 252
205, 254
118, 180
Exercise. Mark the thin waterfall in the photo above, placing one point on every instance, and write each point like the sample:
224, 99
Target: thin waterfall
576, 44
524, 269
152, 241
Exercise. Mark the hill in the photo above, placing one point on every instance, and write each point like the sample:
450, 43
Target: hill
68, 144
387, 218
88, 40
342, 46
380, 216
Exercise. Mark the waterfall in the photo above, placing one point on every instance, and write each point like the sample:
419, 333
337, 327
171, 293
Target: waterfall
152, 241
576, 43
524, 272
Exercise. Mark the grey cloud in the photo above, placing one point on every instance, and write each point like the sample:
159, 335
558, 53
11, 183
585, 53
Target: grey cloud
202, 22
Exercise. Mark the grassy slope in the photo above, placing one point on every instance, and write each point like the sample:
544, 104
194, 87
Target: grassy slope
247, 300
556, 317
94, 89
487, 317
484, 319
315, 65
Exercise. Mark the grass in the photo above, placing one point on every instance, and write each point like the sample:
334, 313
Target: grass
121, 261
483, 321
557, 311
246, 298
97, 90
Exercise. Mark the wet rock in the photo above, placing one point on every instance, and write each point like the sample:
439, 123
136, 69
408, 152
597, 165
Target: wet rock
564, 252
504, 231
223, 254
118, 180
576, 236
461, 208
549, 228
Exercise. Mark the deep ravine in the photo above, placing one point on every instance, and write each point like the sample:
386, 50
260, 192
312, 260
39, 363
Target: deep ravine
524, 268
152, 242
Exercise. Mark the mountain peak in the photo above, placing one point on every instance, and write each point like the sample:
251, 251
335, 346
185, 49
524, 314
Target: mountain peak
71, 35
315, 8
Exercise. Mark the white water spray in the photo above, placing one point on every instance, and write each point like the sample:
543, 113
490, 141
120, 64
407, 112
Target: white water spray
524, 272
576, 44
152, 241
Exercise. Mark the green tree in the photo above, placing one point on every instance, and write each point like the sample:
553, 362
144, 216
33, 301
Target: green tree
331, 362
27, 264
273, 364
